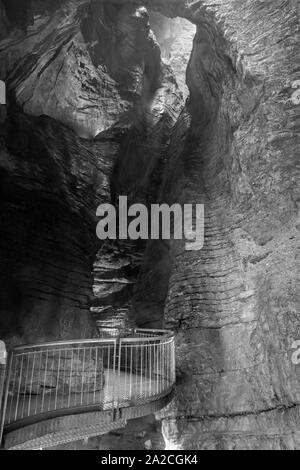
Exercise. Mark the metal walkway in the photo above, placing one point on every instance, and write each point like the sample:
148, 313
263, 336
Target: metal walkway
65, 391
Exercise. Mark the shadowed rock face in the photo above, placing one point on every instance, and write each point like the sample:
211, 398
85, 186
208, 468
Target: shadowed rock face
234, 304
233, 147
50, 185
87, 64
52, 180
175, 37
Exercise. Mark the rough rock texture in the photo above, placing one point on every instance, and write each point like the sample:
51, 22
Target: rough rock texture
86, 64
53, 58
51, 182
234, 304
4, 24
175, 37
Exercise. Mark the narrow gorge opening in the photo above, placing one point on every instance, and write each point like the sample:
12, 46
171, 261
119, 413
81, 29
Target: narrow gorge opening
126, 270
98, 107
157, 290
175, 37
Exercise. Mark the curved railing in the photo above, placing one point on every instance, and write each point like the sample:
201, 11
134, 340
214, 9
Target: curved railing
110, 373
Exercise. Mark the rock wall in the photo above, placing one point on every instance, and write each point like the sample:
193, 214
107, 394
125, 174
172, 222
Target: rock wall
69, 373
175, 37
234, 304
86, 64
51, 182
90, 107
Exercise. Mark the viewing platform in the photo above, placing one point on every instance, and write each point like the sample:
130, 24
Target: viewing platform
60, 392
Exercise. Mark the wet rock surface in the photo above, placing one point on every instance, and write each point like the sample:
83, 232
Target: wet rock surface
84, 64
234, 147
234, 303
175, 37
53, 179
49, 191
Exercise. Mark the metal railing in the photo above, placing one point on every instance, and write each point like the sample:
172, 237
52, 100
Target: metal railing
55, 379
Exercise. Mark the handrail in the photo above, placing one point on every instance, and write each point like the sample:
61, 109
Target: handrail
3, 360
64, 343
145, 338
158, 334
87, 374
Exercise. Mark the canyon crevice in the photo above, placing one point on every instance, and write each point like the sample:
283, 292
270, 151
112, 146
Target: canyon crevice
96, 110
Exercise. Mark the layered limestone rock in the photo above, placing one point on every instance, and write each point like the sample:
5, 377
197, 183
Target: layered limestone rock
234, 148
175, 37
234, 304
92, 68
51, 183
86, 64
69, 372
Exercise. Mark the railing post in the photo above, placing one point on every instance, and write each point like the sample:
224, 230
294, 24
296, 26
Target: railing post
173, 362
119, 374
138, 368
113, 378
3, 108
3, 387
